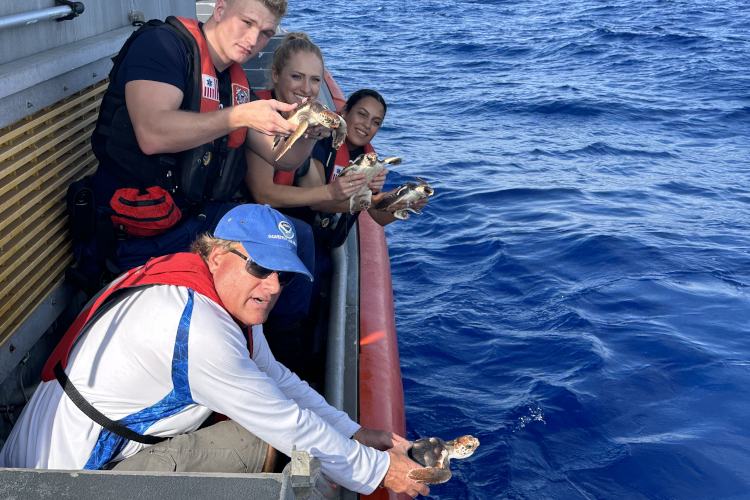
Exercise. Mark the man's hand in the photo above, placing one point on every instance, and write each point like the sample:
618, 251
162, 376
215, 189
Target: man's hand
380, 440
263, 116
395, 479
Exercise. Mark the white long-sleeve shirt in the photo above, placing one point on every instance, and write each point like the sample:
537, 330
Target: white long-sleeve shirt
160, 361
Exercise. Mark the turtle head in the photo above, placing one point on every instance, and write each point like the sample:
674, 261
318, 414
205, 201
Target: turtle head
464, 446
329, 119
371, 158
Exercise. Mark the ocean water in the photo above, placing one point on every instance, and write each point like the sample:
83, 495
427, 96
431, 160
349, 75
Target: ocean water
577, 292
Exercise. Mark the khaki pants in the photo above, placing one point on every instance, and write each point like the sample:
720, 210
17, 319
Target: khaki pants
222, 447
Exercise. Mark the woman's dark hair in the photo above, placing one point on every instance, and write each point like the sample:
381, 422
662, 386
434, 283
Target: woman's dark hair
361, 94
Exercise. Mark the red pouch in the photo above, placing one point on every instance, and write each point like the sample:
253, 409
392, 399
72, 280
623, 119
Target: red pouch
144, 212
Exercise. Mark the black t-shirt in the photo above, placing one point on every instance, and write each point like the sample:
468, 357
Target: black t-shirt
157, 55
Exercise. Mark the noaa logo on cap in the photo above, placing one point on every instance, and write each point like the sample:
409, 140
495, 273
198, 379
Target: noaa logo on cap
286, 229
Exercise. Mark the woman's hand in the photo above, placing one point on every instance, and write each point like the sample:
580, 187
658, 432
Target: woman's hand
317, 132
344, 187
376, 185
401, 205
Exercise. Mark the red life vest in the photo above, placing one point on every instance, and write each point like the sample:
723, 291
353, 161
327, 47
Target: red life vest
210, 92
279, 177
342, 160
180, 269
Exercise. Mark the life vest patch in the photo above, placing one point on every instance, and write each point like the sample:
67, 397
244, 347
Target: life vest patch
211, 87
336, 171
241, 94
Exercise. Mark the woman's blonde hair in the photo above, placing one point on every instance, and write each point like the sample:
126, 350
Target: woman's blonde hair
205, 243
293, 42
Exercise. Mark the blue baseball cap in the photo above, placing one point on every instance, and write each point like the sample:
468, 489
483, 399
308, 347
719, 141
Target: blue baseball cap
268, 237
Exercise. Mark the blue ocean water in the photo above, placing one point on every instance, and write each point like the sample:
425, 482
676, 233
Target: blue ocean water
577, 293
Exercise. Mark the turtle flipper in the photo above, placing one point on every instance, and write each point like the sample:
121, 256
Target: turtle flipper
388, 200
339, 134
429, 475
402, 214
293, 138
393, 160
365, 201
415, 210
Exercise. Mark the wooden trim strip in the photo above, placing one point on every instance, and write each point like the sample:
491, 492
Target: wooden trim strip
50, 157
18, 129
37, 235
35, 204
66, 170
27, 283
37, 143
10, 322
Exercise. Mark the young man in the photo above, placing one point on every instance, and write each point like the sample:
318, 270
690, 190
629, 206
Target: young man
174, 124
169, 343
171, 135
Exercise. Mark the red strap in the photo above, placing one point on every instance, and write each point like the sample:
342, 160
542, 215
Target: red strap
264, 94
210, 84
283, 178
342, 159
181, 269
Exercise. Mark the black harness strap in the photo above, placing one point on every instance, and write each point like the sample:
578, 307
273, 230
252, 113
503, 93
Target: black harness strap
96, 415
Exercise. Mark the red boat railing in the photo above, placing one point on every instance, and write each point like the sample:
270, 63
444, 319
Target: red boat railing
381, 393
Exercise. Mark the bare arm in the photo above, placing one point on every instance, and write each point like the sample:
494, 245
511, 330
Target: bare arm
259, 180
341, 184
379, 216
161, 127
262, 145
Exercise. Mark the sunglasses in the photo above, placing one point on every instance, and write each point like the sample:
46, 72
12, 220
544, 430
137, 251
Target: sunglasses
260, 272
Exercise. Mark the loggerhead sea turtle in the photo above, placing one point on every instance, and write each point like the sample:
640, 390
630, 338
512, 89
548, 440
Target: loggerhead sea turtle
435, 455
309, 114
411, 191
370, 165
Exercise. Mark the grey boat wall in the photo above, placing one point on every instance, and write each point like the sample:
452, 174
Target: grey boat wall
40, 64
48, 60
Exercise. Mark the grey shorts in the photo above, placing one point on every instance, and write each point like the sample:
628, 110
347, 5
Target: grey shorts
222, 447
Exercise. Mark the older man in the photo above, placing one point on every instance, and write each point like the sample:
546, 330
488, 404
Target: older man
177, 339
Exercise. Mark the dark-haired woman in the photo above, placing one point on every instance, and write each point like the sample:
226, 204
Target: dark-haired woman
364, 113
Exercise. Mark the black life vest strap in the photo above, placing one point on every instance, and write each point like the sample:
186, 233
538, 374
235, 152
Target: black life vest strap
96, 415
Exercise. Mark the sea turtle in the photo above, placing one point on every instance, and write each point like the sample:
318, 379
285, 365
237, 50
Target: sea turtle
309, 114
411, 191
370, 165
435, 455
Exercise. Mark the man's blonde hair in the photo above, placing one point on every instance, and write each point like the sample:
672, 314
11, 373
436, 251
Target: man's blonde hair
276, 7
205, 243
